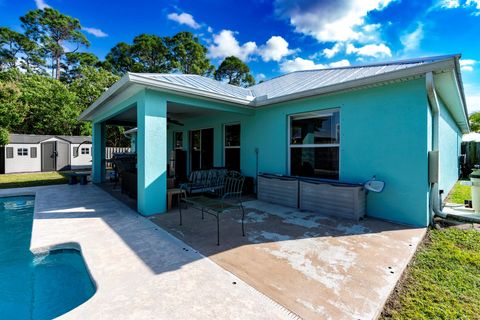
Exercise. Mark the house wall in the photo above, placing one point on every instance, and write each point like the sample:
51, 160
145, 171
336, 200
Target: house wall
449, 149
23, 163
383, 133
83, 160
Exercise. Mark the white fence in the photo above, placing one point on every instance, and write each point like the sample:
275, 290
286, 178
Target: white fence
109, 151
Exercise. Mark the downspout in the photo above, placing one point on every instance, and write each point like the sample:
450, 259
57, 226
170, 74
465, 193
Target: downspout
435, 206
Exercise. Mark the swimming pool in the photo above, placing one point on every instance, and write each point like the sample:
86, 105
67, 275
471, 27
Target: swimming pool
36, 286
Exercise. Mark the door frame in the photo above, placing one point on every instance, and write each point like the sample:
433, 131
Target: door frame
190, 144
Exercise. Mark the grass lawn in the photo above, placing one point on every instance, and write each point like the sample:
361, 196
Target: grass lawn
17, 180
443, 280
459, 193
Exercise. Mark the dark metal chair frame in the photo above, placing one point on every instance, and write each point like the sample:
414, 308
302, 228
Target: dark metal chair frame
218, 201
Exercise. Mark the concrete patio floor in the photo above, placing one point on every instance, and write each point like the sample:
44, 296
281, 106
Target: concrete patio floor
140, 270
316, 266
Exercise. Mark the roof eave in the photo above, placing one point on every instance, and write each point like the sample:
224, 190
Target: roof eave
132, 78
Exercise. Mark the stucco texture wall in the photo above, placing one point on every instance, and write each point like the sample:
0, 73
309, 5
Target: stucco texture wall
449, 149
383, 133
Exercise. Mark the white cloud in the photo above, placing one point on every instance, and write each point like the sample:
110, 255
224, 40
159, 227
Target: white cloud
209, 29
454, 4
339, 64
184, 18
225, 44
449, 4
298, 64
260, 77
41, 4
96, 32
334, 21
370, 50
411, 41
467, 64
275, 49
330, 53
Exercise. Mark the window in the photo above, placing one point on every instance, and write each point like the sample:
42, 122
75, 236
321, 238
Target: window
232, 147
178, 140
314, 144
22, 152
85, 151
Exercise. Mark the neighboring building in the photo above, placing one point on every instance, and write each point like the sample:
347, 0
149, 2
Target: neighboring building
34, 153
342, 124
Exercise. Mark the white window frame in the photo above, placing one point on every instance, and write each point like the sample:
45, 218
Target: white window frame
225, 147
22, 152
309, 115
85, 151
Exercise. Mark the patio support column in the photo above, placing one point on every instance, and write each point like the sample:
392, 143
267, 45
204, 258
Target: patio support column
152, 153
98, 152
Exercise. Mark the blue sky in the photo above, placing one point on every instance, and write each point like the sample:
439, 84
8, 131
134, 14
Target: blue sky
279, 36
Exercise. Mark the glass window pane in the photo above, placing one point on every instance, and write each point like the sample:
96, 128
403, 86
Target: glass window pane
232, 135
178, 144
322, 129
315, 162
232, 159
195, 136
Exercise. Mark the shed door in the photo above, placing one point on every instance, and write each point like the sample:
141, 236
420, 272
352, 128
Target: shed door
48, 156
63, 155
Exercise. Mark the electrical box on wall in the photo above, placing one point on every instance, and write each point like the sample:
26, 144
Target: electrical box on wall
433, 166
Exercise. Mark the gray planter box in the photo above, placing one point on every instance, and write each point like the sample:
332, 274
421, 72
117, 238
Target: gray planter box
346, 201
278, 189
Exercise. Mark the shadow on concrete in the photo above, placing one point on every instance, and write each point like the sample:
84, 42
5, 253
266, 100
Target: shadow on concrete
280, 243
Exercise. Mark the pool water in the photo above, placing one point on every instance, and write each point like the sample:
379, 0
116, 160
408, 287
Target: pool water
34, 286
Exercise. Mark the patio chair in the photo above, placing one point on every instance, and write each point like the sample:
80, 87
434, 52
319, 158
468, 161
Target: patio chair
219, 201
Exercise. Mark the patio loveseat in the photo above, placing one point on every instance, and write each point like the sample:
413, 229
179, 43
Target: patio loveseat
200, 181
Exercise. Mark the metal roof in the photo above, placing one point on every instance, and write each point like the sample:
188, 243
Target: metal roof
300, 81
294, 85
288, 84
200, 83
36, 138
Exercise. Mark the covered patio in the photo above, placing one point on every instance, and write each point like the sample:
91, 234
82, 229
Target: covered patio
160, 116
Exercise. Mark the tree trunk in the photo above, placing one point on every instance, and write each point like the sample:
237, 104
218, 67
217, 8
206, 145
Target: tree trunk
57, 71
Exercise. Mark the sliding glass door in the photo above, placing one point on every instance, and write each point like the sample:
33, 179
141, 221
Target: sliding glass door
201, 149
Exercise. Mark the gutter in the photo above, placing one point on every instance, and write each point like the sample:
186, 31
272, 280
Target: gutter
434, 155
435, 201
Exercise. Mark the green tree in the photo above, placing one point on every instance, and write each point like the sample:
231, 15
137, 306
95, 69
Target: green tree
119, 60
16, 49
50, 107
3, 136
74, 61
235, 71
53, 30
475, 121
88, 87
150, 54
189, 56
11, 109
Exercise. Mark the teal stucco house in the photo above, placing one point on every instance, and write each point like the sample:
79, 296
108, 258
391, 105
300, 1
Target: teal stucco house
401, 121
